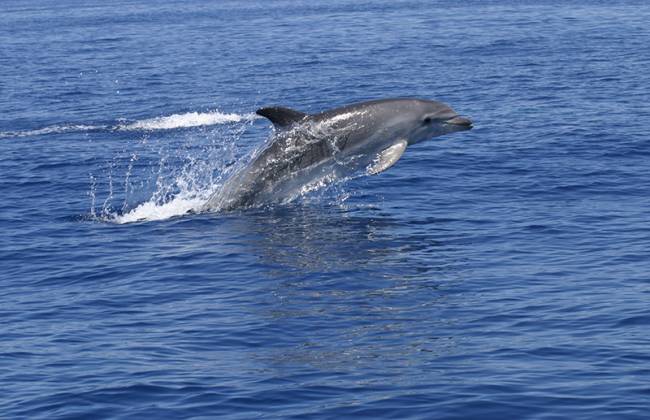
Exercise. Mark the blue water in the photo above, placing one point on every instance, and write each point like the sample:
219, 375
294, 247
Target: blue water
497, 273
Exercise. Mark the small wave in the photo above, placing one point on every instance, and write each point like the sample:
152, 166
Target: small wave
168, 122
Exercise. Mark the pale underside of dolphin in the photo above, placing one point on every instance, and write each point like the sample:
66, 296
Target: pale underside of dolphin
308, 151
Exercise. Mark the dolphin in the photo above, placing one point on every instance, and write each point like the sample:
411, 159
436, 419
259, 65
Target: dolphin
311, 150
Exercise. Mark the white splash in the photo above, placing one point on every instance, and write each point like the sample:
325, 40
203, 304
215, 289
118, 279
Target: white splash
151, 211
160, 179
189, 119
174, 176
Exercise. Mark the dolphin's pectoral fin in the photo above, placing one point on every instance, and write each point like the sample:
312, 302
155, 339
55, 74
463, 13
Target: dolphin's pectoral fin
387, 157
280, 116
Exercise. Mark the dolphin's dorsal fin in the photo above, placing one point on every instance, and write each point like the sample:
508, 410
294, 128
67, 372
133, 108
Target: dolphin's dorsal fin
387, 157
280, 116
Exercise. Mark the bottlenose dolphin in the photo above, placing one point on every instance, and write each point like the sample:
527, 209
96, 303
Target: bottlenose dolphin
308, 151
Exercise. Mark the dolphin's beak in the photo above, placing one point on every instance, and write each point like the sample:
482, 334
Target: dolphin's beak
460, 121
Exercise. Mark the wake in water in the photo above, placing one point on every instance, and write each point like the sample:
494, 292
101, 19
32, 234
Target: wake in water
169, 122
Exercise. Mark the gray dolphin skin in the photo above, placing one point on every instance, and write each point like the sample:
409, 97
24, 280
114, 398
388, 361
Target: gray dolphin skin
309, 151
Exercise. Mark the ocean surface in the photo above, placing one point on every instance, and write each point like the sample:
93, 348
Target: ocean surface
502, 272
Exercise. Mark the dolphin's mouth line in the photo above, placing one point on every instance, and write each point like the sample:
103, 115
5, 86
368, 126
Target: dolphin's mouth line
459, 121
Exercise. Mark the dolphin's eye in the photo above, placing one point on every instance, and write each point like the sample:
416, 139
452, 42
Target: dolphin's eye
427, 120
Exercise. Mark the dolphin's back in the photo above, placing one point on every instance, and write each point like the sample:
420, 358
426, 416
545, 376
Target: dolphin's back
374, 104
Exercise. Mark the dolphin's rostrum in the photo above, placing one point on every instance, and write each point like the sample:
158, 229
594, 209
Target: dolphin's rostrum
312, 150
